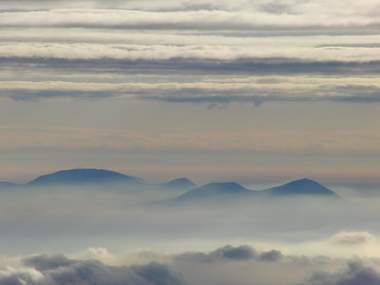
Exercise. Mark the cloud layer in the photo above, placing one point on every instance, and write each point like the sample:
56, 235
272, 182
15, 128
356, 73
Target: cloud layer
239, 265
59, 270
121, 63
183, 38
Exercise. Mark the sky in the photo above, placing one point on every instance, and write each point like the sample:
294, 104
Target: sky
255, 91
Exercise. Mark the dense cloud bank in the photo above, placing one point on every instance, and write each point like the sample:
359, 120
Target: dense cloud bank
356, 274
59, 270
238, 265
240, 253
91, 214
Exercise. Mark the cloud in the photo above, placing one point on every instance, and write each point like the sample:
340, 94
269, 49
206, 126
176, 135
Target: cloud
13, 276
202, 54
231, 253
215, 100
45, 262
347, 94
356, 274
271, 256
240, 265
217, 43
200, 15
59, 270
234, 253
352, 238
212, 93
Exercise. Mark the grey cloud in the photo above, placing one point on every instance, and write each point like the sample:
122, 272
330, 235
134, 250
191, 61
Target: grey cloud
58, 270
179, 64
213, 98
221, 254
350, 45
271, 256
278, 96
356, 274
275, 8
231, 253
189, 268
46, 262
201, 15
352, 238
32, 95
234, 253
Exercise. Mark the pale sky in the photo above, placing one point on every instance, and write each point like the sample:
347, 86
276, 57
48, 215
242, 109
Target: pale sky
255, 91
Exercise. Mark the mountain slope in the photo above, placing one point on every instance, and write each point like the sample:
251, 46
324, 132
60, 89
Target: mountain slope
223, 192
301, 187
179, 183
214, 192
83, 176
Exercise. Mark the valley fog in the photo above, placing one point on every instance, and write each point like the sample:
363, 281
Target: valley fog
48, 218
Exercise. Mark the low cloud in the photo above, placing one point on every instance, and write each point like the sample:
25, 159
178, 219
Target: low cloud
352, 238
356, 274
271, 256
59, 270
231, 253
240, 265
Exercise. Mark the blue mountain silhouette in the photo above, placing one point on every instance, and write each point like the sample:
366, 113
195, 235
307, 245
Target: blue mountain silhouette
301, 187
83, 176
227, 191
179, 183
215, 191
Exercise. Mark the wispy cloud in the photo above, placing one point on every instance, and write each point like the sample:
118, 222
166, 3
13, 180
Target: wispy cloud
213, 94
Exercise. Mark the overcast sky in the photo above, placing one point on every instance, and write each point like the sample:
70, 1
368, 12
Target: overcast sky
256, 91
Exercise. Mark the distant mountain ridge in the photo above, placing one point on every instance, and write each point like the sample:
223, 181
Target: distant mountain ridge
216, 191
93, 176
82, 176
230, 190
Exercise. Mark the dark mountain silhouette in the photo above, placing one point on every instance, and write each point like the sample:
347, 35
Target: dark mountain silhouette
301, 187
215, 192
84, 176
179, 183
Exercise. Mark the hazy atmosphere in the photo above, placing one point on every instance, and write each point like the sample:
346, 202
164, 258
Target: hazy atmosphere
189, 142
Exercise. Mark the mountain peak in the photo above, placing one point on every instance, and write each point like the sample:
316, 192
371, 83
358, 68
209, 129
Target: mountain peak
305, 180
179, 183
304, 186
215, 192
80, 176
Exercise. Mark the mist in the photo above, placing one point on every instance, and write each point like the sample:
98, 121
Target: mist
50, 218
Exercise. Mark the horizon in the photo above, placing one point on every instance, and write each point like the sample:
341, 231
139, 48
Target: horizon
249, 182
279, 182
